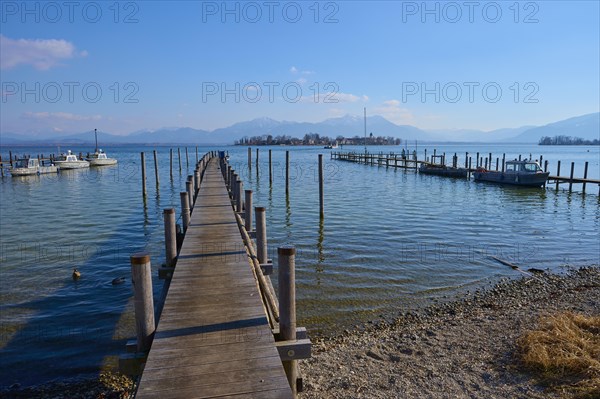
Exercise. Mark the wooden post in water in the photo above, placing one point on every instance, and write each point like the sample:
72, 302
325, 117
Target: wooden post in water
250, 158
196, 154
143, 161
188, 189
141, 277
557, 175
546, 165
261, 234
187, 159
270, 169
239, 206
171, 163
466, 160
196, 183
469, 168
585, 170
286, 258
503, 161
179, 156
170, 237
321, 197
571, 177
185, 209
477, 161
287, 172
248, 211
257, 160
156, 169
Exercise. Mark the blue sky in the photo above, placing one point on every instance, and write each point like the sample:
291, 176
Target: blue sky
127, 66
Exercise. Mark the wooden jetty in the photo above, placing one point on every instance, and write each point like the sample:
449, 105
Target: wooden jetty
410, 161
216, 336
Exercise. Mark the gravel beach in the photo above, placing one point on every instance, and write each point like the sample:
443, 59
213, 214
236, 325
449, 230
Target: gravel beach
461, 349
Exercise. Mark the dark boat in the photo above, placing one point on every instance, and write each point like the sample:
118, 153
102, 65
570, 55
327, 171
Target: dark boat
519, 173
442, 170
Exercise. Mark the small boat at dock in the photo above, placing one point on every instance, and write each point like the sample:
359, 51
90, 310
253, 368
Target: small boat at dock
70, 161
442, 170
520, 173
31, 166
99, 157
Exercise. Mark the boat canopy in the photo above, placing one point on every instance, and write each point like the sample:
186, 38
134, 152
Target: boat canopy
27, 163
523, 166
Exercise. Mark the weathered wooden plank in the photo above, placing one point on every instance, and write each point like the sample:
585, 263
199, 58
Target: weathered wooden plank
213, 338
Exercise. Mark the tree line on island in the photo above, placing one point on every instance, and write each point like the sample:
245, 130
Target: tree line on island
567, 140
317, 139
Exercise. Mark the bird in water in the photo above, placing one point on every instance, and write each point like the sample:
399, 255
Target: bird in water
76, 274
118, 280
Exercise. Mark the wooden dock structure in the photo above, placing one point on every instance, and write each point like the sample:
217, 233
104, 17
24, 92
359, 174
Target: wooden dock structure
410, 161
214, 338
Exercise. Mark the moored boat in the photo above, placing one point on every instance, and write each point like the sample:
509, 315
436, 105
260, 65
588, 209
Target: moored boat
31, 166
442, 170
100, 159
520, 173
70, 161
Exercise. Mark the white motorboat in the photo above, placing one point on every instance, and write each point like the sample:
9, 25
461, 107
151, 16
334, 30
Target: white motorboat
70, 161
31, 166
100, 159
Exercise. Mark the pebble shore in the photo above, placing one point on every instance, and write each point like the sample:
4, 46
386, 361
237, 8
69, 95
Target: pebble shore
462, 349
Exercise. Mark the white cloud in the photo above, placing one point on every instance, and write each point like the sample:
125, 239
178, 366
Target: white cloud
42, 54
293, 69
60, 116
392, 111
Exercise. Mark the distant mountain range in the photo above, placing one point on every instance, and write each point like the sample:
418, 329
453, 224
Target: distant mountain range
585, 126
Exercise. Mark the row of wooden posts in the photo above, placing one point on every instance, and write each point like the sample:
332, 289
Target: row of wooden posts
410, 161
287, 171
296, 344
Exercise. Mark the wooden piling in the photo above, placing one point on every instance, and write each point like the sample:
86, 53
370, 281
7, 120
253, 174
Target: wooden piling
188, 189
270, 169
196, 154
239, 206
171, 163
557, 174
143, 161
585, 170
249, 158
257, 160
286, 258
141, 276
179, 157
261, 234
321, 197
185, 209
248, 211
156, 169
571, 177
170, 237
287, 172
187, 159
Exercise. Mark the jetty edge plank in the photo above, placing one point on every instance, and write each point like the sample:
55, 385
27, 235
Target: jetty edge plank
213, 338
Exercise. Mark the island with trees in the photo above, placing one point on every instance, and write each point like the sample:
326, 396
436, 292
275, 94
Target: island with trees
567, 140
316, 139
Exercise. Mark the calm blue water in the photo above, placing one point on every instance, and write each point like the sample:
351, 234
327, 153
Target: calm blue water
390, 240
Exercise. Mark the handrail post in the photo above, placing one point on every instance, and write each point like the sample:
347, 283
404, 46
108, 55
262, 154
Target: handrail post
286, 259
170, 237
248, 211
141, 276
261, 234
185, 210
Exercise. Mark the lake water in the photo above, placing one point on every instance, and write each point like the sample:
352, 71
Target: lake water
390, 240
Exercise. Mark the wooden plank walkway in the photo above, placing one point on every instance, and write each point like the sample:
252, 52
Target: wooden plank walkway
213, 338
